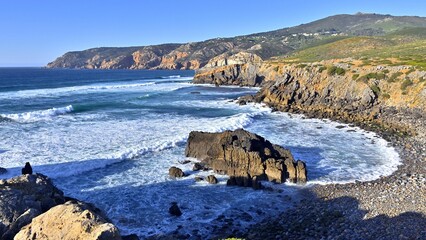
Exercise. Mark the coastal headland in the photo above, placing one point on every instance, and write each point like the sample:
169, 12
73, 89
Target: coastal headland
366, 70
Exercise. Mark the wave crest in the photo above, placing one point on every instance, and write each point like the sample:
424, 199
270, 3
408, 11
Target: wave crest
34, 116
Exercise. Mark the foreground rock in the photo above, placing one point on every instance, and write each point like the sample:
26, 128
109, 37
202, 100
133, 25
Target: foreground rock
72, 220
243, 156
24, 197
31, 207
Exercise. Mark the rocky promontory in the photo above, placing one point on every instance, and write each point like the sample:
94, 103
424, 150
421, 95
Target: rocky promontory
387, 99
31, 207
341, 89
246, 157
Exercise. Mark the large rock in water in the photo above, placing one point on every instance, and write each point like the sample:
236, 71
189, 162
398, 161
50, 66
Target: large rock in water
243, 156
176, 172
24, 197
72, 220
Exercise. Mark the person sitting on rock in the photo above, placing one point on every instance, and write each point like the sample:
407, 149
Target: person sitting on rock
27, 169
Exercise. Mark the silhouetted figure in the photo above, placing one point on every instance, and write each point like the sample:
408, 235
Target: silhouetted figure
27, 169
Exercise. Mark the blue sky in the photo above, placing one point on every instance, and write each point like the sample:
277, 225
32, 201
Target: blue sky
36, 32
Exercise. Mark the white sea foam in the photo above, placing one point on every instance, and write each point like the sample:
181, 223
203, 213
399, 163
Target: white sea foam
87, 89
121, 161
333, 155
34, 116
171, 76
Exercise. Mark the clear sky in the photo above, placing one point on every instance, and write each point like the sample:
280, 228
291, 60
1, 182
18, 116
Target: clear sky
34, 33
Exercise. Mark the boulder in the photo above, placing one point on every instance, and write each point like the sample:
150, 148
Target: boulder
211, 179
72, 220
24, 197
198, 179
20, 222
199, 166
176, 172
175, 210
301, 172
243, 155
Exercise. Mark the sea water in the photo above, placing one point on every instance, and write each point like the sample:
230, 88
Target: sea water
110, 136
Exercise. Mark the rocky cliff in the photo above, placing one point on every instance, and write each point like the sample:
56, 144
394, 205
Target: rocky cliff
266, 45
341, 89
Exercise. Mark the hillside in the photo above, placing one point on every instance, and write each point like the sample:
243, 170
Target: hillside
266, 45
405, 47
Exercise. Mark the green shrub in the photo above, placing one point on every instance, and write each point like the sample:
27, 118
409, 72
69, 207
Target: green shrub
340, 71
333, 70
385, 96
276, 68
406, 83
302, 65
421, 79
394, 76
355, 76
321, 69
375, 89
386, 71
378, 76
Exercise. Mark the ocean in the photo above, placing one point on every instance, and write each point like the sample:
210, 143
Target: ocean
110, 136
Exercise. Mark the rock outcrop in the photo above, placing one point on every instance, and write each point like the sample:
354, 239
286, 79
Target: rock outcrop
199, 166
211, 179
176, 172
31, 207
24, 197
244, 156
72, 220
354, 96
240, 69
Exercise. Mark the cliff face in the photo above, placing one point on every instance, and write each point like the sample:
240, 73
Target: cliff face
338, 89
266, 45
240, 69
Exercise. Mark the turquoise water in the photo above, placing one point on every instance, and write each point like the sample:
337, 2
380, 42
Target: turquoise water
110, 136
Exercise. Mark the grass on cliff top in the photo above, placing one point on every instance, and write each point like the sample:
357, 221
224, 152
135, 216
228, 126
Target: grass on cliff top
405, 47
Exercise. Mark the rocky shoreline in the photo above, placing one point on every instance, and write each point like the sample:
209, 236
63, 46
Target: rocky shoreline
391, 207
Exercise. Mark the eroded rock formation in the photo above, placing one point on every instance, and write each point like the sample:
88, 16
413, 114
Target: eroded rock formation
72, 220
23, 198
310, 89
239, 69
31, 207
246, 157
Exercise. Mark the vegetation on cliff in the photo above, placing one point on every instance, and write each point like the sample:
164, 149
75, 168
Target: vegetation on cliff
405, 47
280, 42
